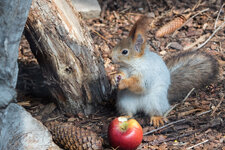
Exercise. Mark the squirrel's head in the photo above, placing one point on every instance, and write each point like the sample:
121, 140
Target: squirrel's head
134, 45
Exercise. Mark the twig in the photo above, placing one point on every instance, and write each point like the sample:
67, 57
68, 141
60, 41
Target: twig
190, 20
50, 119
217, 29
197, 144
196, 5
93, 30
171, 108
199, 40
189, 93
172, 123
218, 15
217, 107
205, 112
185, 113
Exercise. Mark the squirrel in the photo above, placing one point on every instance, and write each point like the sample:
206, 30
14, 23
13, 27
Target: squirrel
149, 84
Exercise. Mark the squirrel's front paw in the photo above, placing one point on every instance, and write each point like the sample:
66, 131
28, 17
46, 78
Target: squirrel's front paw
157, 120
117, 79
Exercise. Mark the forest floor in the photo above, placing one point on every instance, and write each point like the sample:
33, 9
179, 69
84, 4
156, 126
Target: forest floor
196, 123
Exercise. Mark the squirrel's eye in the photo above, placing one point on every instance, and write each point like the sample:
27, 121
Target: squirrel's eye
124, 52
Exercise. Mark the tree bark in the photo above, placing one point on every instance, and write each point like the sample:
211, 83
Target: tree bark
64, 49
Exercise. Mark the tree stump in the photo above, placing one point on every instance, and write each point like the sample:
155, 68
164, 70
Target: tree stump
73, 69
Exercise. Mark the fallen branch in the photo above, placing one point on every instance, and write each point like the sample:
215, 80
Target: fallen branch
189, 20
189, 93
93, 30
188, 112
196, 5
199, 40
197, 144
215, 31
218, 15
202, 113
169, 124
175, 122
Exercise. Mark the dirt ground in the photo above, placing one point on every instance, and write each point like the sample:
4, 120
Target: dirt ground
197, 123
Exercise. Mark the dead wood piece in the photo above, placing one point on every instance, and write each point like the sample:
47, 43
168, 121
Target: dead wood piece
71, 137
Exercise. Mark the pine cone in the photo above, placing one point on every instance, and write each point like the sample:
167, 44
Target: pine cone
71, 137
171, 26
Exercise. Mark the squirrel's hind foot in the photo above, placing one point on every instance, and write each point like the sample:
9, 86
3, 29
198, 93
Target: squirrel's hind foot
156, 121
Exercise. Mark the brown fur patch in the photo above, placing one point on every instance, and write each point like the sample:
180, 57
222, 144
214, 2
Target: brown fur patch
132, 84
140, 27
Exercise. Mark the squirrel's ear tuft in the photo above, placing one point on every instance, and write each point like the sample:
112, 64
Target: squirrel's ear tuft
138, 43
138, 31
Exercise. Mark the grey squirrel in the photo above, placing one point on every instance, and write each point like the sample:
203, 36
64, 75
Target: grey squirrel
146, 83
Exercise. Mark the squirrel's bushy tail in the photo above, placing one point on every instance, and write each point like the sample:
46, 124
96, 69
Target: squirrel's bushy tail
189, 70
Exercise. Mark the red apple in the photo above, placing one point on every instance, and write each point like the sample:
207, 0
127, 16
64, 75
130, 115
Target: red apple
125, 134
